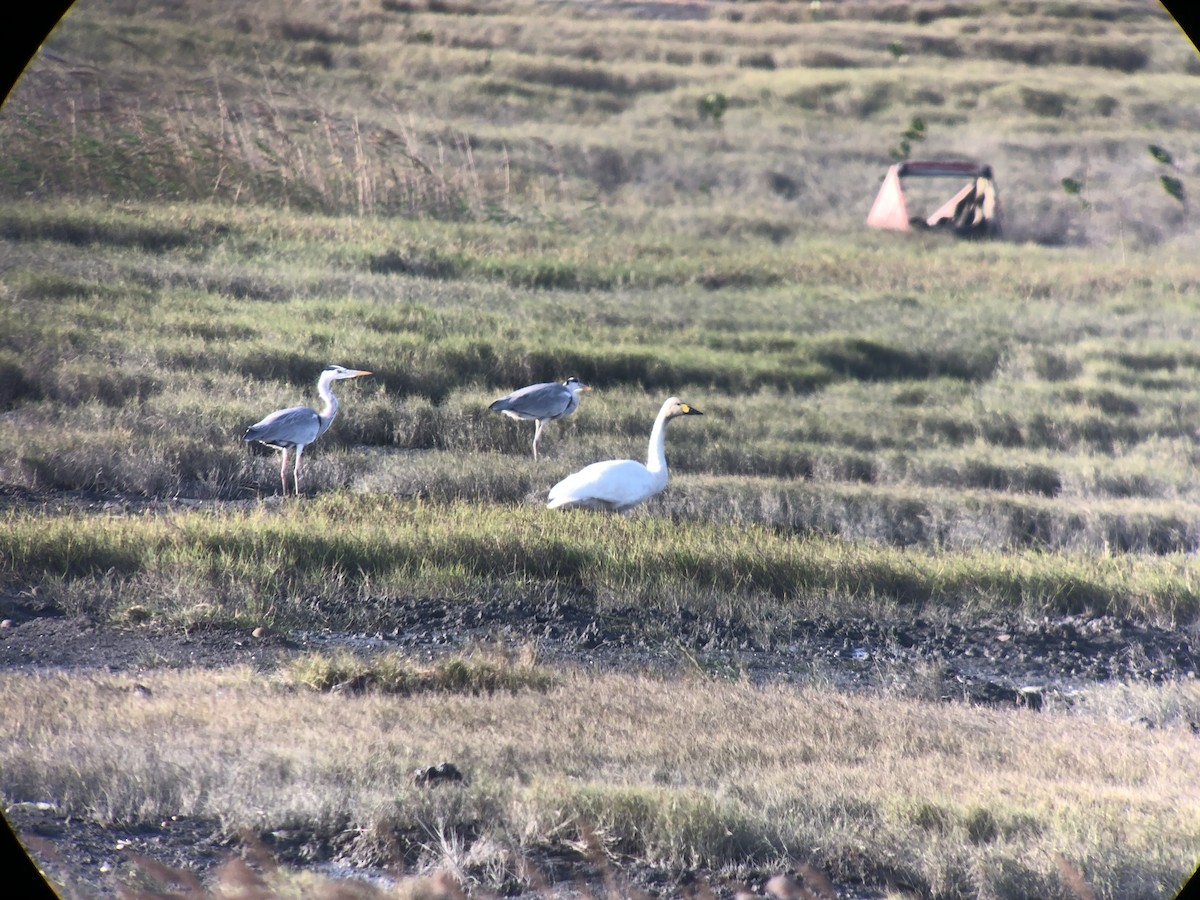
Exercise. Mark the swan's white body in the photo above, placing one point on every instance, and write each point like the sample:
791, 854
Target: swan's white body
298, 426
620, 484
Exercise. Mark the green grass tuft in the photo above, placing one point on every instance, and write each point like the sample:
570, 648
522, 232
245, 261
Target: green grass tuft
393, 673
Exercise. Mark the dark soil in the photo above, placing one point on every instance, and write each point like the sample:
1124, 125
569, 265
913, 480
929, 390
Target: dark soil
1003, 662
994, 661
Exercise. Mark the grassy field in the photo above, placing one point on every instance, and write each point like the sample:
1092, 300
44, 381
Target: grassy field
937, 799
358, 555
204, 204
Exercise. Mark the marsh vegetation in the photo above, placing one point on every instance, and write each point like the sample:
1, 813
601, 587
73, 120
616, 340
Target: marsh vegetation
203, 205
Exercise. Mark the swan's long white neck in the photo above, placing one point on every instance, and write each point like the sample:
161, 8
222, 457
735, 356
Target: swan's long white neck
656, 458
325, 389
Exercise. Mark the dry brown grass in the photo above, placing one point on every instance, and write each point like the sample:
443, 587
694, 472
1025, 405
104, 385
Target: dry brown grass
488, 111
686, 772
484, 670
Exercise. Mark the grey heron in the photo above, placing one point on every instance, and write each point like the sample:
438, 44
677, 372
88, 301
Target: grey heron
297, 427
620, 484
542, 403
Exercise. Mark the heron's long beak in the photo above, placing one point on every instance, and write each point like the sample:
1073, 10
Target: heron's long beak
357, 372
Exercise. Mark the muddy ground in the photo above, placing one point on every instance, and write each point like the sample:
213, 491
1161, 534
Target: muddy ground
1014, 662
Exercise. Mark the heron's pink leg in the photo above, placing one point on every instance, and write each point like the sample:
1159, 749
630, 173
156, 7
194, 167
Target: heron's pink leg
537, 433
299, 451
283, 470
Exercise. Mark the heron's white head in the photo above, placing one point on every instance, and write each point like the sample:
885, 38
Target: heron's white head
574, 385
337, 373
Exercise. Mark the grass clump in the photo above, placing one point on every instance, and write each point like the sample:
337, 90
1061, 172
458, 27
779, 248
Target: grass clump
476, 672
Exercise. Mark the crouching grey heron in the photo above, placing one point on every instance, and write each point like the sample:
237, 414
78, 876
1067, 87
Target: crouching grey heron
543, 403
299, 426
621, 484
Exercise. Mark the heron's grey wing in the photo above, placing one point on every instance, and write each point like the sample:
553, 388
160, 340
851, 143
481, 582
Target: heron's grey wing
296, 426
515, 402
538, 401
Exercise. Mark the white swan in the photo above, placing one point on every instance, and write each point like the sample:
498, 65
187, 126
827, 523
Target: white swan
620, 484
